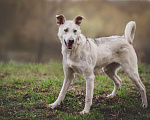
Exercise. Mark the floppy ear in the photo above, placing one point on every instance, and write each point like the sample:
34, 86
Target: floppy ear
78, 20
60, 19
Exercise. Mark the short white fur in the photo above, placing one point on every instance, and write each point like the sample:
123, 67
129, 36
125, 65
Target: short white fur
89, 55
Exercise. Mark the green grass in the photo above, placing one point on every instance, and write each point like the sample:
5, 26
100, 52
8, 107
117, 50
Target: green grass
25, 89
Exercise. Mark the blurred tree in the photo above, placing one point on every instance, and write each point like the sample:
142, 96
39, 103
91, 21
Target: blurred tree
28, 30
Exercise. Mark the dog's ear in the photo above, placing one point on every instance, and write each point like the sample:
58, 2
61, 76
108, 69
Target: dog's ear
78, 20
60, 19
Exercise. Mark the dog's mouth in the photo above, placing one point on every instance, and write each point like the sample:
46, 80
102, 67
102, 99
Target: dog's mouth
69, 45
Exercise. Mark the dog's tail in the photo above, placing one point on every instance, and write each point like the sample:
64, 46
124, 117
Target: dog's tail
130, 31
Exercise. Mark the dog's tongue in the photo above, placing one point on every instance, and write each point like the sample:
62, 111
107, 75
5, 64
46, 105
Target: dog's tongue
69, 46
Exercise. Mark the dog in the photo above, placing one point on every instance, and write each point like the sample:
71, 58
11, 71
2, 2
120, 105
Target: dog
86, 55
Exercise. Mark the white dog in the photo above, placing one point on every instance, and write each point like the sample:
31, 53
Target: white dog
86, 55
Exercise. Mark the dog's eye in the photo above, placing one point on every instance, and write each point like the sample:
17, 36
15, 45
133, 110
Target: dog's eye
74, 31
66, 30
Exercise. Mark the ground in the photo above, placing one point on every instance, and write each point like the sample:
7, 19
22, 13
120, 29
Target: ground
26, 89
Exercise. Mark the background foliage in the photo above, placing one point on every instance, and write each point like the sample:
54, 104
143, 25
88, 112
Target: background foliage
28, 31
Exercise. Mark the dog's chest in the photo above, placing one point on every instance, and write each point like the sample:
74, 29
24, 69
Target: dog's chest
76, 69
76, 66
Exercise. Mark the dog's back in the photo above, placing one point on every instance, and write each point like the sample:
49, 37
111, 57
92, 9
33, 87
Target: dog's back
115, 48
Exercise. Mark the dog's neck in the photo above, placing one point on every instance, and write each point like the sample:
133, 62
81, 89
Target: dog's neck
78, 46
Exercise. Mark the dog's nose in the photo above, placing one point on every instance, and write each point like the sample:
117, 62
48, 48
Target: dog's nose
71, 41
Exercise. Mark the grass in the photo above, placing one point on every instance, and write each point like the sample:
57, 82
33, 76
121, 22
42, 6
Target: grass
25, 89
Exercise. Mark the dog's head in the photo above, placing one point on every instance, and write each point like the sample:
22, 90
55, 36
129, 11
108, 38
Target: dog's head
69, 30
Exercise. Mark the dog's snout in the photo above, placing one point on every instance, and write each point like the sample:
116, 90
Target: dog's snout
71, 41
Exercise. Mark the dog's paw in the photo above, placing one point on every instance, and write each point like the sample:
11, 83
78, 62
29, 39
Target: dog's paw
110, 96
84, 111
52, 106
144, 105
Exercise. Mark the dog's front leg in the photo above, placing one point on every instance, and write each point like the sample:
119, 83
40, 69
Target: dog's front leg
69, 75
89, 93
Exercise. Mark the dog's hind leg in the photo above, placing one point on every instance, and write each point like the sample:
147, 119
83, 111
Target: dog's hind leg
131, 69
111, 71
69, 75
